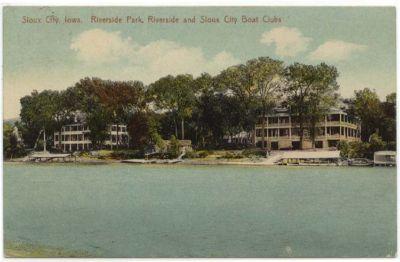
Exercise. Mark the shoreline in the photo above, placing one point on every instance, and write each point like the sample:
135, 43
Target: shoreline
114, 161
223, 157
16, 249
187, 162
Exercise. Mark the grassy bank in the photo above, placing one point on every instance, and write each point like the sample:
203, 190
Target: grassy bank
25, 250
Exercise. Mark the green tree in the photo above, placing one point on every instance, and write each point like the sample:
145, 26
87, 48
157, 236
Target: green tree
38, 112
177, 95
266, 74
239, 81
367, 107
308, 91
143, 130
388, 123
98, 119
212, 117
65, 105
97, 116
375, 144
322, 98
11, 146
112, 100
205, 91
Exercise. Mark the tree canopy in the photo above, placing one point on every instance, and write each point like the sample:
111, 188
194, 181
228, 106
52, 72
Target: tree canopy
208, 109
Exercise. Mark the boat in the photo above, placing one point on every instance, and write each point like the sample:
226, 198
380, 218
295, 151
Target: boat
360, 162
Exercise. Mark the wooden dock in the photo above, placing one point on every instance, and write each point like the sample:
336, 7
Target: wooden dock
46, 157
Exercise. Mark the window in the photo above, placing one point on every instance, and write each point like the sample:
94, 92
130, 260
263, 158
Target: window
56, 138
319, 144
260, 120
274, 146
284, 132
335, 130
332, 143
273, 120
295, 145
284, 120
273, 132
334, 117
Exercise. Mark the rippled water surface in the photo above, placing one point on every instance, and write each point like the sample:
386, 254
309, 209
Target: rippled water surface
122, 210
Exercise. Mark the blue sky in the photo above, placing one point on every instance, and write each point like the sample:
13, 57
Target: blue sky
359, 41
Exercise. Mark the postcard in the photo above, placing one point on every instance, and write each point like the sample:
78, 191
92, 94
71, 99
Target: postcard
199, 132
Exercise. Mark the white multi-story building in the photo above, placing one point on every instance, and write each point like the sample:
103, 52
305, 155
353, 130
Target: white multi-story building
122, 135
76, 136
281, 130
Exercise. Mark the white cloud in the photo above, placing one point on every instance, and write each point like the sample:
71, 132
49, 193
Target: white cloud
221, 61
146, 62
289, 41
336, 50
99, 46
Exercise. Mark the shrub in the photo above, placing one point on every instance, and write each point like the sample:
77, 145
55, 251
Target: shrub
253, 152
84, 154
358, 149
198, 154
344, 148
229, 155
173, 149
204, 153
191, 154
127, 154
375, 144
162, 155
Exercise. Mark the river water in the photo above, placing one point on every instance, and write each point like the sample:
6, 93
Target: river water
122, 210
